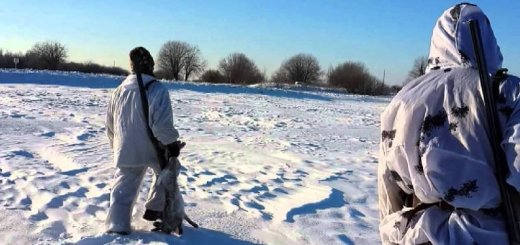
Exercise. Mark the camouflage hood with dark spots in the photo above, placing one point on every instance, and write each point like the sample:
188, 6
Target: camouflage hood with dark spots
435, 146
451, 44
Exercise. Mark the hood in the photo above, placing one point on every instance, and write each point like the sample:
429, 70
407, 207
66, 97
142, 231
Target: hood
451, 45
132, 78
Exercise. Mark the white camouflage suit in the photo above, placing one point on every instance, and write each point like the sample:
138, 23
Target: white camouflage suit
133, 150
435, 143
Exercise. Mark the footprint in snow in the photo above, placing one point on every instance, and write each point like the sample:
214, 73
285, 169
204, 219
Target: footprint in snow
21, 153
87, 135
48, 134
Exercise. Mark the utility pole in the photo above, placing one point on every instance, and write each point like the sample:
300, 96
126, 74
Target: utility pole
384, 74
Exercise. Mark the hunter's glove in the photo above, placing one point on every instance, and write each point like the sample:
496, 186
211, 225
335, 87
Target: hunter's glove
174, 149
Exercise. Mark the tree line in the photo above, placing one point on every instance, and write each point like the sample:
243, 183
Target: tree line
52, 55
178, 60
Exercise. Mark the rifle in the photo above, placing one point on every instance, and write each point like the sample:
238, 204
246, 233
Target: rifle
507, 192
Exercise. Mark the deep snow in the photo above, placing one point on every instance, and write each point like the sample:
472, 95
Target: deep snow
261, 165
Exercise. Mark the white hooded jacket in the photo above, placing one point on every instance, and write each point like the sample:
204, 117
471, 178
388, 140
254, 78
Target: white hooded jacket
435, 143
126, 126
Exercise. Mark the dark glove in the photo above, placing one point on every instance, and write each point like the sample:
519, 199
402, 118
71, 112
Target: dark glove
174, 149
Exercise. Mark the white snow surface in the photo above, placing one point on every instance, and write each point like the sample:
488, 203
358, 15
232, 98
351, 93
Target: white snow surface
261, 165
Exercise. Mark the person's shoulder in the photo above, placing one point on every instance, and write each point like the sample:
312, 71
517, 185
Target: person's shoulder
509, 88
156, 87
510, 82
512, 79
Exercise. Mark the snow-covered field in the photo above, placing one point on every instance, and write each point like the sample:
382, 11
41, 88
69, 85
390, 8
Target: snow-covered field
261, 165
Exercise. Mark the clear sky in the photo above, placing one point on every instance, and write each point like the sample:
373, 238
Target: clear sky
385, 35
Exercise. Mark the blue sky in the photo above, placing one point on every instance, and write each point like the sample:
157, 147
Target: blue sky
385, 35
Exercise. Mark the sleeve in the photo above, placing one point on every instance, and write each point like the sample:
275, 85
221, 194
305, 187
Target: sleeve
510, 113
161, 115
389, 194
109, 121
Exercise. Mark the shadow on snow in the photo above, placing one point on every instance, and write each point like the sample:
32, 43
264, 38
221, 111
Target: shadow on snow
335, 200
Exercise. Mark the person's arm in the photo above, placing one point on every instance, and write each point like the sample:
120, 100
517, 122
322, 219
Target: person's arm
161, 115
510, 112
109, 122
390, 196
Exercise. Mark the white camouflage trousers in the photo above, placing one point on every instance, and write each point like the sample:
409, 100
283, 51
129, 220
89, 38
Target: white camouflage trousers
125, 189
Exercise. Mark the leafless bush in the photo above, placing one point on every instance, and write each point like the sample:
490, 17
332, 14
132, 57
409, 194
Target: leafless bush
355, 78
212, 76
91, 67
179, 60
46, 55
239, 69
303, 68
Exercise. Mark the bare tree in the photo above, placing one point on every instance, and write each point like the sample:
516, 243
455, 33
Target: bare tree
179, 60
238, 68
171, 58
47, 55
303, 68
354, 77
418, 69
193, 63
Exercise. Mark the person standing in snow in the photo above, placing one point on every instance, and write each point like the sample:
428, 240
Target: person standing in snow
133, 149
436, 181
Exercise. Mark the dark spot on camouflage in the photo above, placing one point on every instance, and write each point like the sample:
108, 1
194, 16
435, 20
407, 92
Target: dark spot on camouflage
436, 68
465, 191
453, 126
463, 57
397, 225
447, 70
507, 111
388, 134
460, 112
435, 121
410, 187
419, 168
455, 12
395, 176
422, 150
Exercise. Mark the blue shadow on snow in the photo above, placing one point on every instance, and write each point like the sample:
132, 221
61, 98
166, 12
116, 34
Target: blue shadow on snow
335, 200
